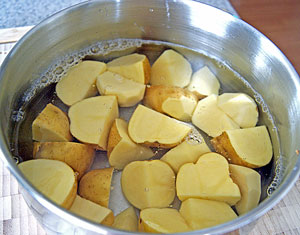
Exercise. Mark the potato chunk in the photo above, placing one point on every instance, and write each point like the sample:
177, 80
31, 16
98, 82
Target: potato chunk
207, 179
248, 181
121, 150
128, 92
250, 147
55, 179
126, 220
135, 67
78, 156
162, 220
92, 211
152, 128
91, 119
200, 213
51, 125
95, 186
171, 69
79, 82
210, 118
148, 184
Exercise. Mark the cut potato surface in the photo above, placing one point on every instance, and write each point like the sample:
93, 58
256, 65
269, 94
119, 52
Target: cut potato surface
207, 179
210, 118
250, 147
51, 125
126, 220
79, 82
91, 119
121, 149
171, 69
248, 181
152, 128
162, 220
92, 211
200, 213
55, 179
128, 92
148, 184
135, 67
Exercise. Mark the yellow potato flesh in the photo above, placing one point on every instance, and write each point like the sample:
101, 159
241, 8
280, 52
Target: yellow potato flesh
162, 220
55, 179
200, 213
207, 179
148, 184
92, 118
126, 220
80, 82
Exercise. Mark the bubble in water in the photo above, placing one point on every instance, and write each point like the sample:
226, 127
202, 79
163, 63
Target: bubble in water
59, 70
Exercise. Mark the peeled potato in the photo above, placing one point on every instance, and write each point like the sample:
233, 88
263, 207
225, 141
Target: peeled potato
162, 220
154, 129
128, 92
126, 220
92, 118
51, 125
207, 179
171, 69
78, 156
200, 213
55, 179
95, 186
148, 184
121, 150
210, 118
79, 82
92, 211
250, 147
135, 67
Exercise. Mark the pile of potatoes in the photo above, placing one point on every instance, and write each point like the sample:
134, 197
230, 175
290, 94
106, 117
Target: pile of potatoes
213, 186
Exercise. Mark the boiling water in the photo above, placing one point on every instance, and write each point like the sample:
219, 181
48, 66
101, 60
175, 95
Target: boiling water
42, 92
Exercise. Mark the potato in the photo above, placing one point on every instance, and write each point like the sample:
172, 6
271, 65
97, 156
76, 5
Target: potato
240, 107
174, 101
207, 179
204, 83
184, 153
148, 184
79, 82
162, 220
95, 186
250, 147
126, 220
171, 69
51, 125
78, 156
200, 213
91, 119
154, 129
121, 150
92, 211
248, 181
210, 118
55, 179
135, 67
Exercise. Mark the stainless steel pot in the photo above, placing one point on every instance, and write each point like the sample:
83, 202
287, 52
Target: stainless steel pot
187, 23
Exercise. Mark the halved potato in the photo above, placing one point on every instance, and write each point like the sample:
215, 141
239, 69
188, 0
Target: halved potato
135, 67
154, 129
128, 92
250, 147
171, 69
79, 82
148, 184
121, 150
91, 119
126, 220
51, 125
55, 179
95, 186
78, 156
